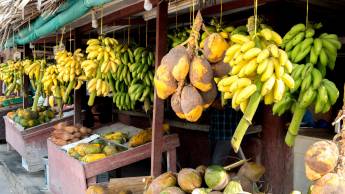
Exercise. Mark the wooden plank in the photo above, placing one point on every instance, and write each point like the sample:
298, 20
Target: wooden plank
158, 106
81, 93
277, 157
128, 157
26, 80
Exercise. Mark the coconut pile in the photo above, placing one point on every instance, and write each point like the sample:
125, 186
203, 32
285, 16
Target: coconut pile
186, 73
325, 163
213, 179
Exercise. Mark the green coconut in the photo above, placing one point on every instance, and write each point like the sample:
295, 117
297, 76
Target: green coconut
216, 177
172, 190
201, 191
233, 187
189, 179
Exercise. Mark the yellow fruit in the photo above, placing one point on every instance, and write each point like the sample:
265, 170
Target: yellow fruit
263, 65
276, 38
268, 99
266, 33
283, 58
239, 38
253, 52
268, 85
268, 72
274, 50
264, 54
279, 89
288, 80
248, 45
245, 93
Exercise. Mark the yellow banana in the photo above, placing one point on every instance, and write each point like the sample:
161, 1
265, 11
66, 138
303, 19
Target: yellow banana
279, 89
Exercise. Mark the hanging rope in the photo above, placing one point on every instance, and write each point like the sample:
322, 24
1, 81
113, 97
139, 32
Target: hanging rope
102, 21
44, 49
255, 16
129, 29
139, 35
221, 12
307, 14
146, 35
176, 15
70, 38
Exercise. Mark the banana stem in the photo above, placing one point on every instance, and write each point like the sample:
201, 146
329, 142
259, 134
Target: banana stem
246, 120
58, 100
294, 125
93, 94
38, 89
70, 86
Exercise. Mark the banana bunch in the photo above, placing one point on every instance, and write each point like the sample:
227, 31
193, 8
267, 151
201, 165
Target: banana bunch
300, 44
50, 79
310, 89
11, 73
178, 36
143, 66
32, 68
127, 58
140, 91
102, 61
269, 65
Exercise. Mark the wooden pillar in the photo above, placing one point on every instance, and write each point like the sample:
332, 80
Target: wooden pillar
277, 156
26, 80
158, 105
81, 93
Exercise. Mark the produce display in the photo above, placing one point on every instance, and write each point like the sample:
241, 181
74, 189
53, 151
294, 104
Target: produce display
116, 137
260, 70
188, 77
65, 134
144, 136
28, 118
11, 73
205, 180
90, 152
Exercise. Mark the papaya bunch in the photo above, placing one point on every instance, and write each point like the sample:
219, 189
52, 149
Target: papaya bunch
11, 73
302, 45
101, 62
188, 77
311, 89
259, 70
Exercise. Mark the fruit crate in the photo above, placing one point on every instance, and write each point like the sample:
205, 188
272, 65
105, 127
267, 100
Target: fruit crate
69, 175
3, 112
31, 143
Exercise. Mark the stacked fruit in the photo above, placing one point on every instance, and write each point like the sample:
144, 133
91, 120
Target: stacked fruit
300, 44
310, 89
101, 62
11, 73
259, 70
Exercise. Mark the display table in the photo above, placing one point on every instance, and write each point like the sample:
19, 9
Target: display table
31, 143
3, 112
69, 175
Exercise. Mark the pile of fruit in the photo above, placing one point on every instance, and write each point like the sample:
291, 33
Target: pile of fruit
65, 134
144, 136
11, 73
311, 88
213, 179
28, 118
90, 152
187, 76
116, 137
260, 70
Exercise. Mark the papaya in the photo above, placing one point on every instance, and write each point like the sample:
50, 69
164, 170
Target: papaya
140, 138
85, 148
191, 103
189, 179
176, 105
220, 69
329, 183
201, 74
209, 96
214, 47
109, 150
162, 182
179, 59
92, 157
164, 81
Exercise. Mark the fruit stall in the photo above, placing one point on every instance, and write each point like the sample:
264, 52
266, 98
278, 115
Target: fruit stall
118, 82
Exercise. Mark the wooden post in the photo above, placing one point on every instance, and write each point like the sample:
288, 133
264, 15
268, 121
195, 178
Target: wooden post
158, 106
78, 94
26, 80
277, 156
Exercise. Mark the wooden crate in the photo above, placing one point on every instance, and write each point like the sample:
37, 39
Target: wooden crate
68, 175
3, 112
31, 143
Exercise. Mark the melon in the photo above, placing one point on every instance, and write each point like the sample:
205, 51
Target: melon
216, 177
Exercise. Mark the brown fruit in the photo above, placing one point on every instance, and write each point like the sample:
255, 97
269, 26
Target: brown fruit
252, 171
162, 182
191, 103
70, 129
209, 96
172, 190
201, 170
60, 126
215, 47
201, 74
330, 183
176, 105
164, 82
189, 179
220, 69
179, 58
95, 189
320, 159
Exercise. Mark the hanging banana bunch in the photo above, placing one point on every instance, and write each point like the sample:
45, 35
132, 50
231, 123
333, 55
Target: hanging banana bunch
260, 70
11, 73
100, 64
69, 70
302, 45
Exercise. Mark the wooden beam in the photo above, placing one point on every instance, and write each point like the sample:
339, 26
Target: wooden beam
158, 105
81, 93
26, 80
277, 157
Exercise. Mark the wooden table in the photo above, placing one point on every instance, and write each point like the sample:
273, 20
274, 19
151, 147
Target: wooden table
31, 143
68, 175
3, 112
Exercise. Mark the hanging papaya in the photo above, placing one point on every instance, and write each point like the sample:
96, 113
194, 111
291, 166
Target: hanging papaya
209, 96
176, 105
191, 103
164, 81
201, 74
214, 47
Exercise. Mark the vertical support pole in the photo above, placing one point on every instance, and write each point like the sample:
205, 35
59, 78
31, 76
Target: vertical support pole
158, 105
78, 94
277, 157
26, 81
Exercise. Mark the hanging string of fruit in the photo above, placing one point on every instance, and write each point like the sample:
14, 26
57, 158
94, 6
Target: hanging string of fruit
189, 96
260, 70
11, 73
311, 88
